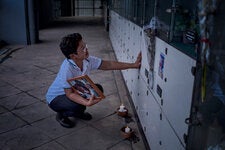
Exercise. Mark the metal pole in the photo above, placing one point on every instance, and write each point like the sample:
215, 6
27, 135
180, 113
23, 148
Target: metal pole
172, 20
27, 22
155, 8
143, 15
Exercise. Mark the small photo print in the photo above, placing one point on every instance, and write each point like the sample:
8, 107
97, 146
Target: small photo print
161, 65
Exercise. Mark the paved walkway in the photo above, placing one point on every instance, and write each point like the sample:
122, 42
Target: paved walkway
26, 122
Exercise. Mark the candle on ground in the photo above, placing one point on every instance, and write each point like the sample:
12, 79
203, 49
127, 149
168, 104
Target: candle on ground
127, 129
122, 108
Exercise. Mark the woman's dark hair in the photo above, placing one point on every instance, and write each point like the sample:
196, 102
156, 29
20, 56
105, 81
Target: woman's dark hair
70, 43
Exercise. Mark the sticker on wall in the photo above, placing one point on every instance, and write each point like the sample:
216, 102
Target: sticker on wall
161, 65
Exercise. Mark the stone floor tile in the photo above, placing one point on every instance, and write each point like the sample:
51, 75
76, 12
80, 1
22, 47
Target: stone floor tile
122, 146
54, 130
110, 125
89, 138
9, 122
39, 93
8, 90
109, 87
105, 107
17, 101
2, 109
23, 138
51, 146
2, 83
30, 84
36, 74
34, 112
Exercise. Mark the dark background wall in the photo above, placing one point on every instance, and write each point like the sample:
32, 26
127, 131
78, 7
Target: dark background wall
47, 11
20, 20
12, 21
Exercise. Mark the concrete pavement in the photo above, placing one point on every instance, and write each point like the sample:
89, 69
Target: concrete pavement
26, 122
